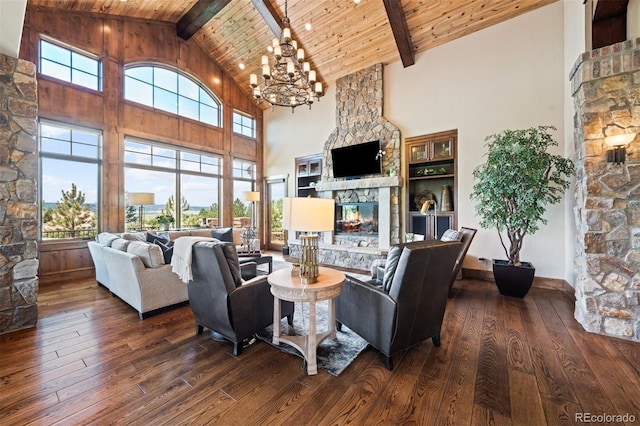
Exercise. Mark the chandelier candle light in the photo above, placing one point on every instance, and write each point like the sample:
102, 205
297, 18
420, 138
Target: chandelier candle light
309, 215
289, 80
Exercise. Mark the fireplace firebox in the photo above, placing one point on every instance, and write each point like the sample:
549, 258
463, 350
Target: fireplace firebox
357, 219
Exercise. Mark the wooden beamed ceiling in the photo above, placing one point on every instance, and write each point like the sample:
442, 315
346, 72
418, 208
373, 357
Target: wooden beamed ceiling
345, 36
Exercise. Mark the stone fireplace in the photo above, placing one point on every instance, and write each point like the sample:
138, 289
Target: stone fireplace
606, 88
19, 195
359, 119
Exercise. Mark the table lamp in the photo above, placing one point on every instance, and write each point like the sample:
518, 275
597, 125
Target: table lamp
250, 234
141, 199
308, 215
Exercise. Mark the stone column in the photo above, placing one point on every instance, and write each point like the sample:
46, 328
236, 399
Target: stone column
606, 92
18, 195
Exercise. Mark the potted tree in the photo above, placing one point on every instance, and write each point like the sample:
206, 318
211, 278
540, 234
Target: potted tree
512, 189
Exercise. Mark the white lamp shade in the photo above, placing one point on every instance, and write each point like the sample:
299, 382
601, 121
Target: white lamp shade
141, 198
308, 214
251, 195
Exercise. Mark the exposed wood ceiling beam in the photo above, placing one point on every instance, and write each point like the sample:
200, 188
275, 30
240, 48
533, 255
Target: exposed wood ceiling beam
198, 16
400, 31
270, 16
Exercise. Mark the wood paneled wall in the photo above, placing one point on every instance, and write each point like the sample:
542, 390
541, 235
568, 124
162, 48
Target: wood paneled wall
119, 41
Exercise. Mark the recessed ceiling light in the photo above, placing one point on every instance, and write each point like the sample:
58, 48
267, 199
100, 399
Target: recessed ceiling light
270, 49
241, 65
307, 26
356, 1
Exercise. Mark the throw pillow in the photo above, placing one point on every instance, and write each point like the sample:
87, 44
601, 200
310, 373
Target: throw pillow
150, 254
120, 244
134, 236
451, 235
106, 238
152, 238
223, 234
167, 250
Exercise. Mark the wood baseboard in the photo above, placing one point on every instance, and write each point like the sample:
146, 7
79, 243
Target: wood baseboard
539, 282
66, 276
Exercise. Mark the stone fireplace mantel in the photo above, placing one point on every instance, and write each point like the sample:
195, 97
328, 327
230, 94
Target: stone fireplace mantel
376, 182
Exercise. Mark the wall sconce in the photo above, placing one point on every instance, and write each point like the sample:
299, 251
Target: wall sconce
619, 144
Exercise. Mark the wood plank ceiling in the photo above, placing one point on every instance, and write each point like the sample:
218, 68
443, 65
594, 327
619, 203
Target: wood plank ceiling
345, 36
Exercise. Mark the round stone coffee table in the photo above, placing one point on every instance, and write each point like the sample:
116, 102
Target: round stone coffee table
286, 287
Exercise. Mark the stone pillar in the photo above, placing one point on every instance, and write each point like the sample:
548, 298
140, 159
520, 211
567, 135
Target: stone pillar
18, 195
606, 92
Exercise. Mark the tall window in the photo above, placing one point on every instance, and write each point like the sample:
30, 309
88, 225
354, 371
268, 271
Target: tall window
186, 184
244, 125
70, 162
171, 91
244, 179
69, 65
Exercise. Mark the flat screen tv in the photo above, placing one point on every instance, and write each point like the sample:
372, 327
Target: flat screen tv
355, 161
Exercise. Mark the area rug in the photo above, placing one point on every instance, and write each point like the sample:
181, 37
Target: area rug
333, 355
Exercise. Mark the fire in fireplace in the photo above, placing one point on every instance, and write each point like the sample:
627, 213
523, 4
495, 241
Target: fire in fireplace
357, 219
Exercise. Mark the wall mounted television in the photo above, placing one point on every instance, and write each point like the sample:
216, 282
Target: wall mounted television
358, 160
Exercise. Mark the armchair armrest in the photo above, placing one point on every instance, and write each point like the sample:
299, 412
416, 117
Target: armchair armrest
248, 270
368, 311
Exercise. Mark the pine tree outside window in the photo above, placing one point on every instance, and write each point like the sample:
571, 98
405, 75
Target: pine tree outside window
70, 169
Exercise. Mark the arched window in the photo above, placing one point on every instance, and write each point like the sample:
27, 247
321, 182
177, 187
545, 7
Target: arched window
172, 91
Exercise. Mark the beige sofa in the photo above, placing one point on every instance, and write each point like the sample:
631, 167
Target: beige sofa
133, 268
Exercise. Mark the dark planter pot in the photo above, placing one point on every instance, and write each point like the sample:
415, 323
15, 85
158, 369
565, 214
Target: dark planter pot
514, 281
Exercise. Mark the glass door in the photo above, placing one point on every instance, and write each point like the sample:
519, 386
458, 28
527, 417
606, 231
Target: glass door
276, 192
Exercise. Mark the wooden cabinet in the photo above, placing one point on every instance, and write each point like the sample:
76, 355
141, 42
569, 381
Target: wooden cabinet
308, 174
431, 176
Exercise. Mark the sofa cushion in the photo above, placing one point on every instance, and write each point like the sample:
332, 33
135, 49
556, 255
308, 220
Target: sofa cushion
106, 238
120, 244
393, 256
174, 235
201, 232
223, 234
150, 254
451, 235
237, 236
167, 250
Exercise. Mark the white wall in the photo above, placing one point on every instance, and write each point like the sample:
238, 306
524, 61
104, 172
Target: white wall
633, 19
11, 22
574, 23
511, 75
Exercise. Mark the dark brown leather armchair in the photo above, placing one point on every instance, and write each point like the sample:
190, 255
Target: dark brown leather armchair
222, 302
467, 236
409, 306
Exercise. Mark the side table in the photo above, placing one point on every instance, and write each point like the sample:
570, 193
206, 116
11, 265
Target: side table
286, 287
258, 258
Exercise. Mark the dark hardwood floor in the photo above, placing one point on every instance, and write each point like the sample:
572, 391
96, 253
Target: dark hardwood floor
503, 361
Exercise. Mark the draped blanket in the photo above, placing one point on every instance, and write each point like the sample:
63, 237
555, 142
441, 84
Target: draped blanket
181, 260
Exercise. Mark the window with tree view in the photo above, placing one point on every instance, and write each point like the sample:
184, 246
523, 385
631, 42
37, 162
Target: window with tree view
244, 179
70, 162
186, 186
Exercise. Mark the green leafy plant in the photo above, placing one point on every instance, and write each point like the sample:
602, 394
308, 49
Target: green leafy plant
165, 219
516, 183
